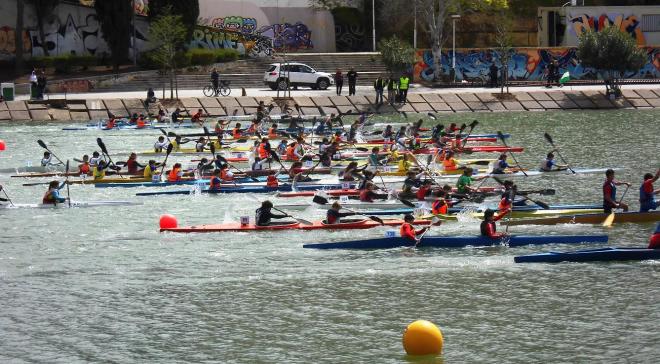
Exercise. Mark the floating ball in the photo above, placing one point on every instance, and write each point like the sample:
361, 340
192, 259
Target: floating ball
422, 338
3, 146
168, 222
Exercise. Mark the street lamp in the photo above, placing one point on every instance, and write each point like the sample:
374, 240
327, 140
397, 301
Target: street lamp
454, 17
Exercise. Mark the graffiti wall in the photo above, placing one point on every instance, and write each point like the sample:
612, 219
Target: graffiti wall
585, 22
527, 64
220, 38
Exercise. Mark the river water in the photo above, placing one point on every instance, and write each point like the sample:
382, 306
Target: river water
103, 285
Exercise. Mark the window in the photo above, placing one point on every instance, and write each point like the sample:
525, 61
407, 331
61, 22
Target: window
651, 23
306, 69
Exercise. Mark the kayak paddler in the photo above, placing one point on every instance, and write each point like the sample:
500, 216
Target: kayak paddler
549, 164
264, 214
333, 215
200, 145
501, 165
410, 184
132, 164
465, 180
506, 202
236, 132
161, 144
424, 190
488, 226
175, 173
296, 173
52, 196
84, 167
367, 194
654, 242
150, 170
47, 160
98, 171
216, 182
647, 193
609, 193
407, 230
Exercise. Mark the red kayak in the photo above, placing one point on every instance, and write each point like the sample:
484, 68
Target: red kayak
316, 225
354, 192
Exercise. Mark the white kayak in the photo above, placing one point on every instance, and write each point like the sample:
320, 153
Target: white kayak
64, 205
34, 169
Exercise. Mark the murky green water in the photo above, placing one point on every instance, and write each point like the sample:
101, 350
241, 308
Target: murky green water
103, 285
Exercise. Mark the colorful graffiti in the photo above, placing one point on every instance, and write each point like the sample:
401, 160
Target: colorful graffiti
528, 64
585, 23
69, 37
141, 7
217, 38
236, 24
8, 41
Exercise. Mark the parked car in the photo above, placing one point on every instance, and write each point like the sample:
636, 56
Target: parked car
296, 74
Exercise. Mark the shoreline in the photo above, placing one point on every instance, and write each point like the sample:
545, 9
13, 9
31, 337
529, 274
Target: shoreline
86, 107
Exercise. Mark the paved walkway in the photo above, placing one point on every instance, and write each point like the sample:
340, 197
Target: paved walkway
314, 102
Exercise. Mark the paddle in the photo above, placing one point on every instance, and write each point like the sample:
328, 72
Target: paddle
43, 145
549, 139
434, 221
324, 201
432, 116
68, 193
105, 151
609, 220
472, 126
501, 136
302, 221
6, 195
169, 150
543, 205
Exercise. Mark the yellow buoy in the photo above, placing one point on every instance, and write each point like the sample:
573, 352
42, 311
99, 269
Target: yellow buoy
422, 338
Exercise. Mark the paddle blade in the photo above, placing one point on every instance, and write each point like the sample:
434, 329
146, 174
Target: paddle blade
42, 144
473, 124
609, 220
67, 167
170, 147
432, 116
320, 200
171, 134
542, 204
163, 131
377, 219
101, 145
548, 138
407, 203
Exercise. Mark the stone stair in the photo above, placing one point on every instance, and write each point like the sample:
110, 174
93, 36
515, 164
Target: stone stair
249, 73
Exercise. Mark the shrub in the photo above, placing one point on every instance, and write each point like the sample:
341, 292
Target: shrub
226, 55
84, 61
182, 59
41, 62
201, 56
62, 63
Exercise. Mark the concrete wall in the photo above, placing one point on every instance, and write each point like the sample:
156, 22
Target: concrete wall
574, 20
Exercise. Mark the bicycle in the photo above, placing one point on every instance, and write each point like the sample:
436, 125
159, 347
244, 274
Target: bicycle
223, 89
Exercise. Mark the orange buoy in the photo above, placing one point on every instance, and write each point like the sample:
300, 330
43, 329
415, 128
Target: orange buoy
422, 338
168, 222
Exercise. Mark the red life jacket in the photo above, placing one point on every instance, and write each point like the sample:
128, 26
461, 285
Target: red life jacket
272, 133
654, 242
84, 168
407, 231
439, 207
215, 183
421, 193
365, 196
224, 176
271, 181
48, 198
290, 153
236, 133
174, 175
263, 153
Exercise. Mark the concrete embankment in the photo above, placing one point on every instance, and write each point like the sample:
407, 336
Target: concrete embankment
444, 102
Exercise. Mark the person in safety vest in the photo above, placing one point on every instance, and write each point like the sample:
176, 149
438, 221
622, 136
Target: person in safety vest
236, 132
52, 196
440, 207
404, 85
407, 230
98, 171
488, 227
216, 182
647, 193
264, 215
272, 131
84, 167
654, 241
175, 173
609, 193
333, 215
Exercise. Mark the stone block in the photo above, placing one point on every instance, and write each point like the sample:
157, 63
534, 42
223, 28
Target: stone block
3, 106
602, 103
59, 114
630, 94
531, 105
340, 101
20, 115
113, 104
94, 105
345, 108
540, 96
77, 107
36, 106
639, 103
450, 98
358, 100
458, 106
386, 109
431, 98
523, 96
79, 115
304, 101
622, 103
656, 91
98, 114
251, 110
653, 102
16, 105
188, 103
328, 110
476, 105
486, 97
209, 102
216, 111
574, 94
513, 105
130, 111
40, 115
468, 97
310, 110
584, 103
567, 104
495, 106
415, 98
440, 107
135, 104
116, 112
405, 108
323, 101
5, 115
549, 104
422, 107
557, 95
228, 102
247, 101
266, 99
645, 94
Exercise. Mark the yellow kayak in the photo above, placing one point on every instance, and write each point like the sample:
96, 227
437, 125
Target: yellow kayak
518, 214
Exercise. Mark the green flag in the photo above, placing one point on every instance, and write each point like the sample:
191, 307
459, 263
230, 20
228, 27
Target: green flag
565, 77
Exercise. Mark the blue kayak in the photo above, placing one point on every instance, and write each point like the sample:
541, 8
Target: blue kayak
592, 255
244, 189
459, 241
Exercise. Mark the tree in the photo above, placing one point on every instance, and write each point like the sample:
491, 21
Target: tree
504, 46
397, 55
20, 9
188, 10
611, 53
168, 34
115, 19
42, 10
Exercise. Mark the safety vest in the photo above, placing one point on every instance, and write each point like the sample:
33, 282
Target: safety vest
84, 168
403, 83
148, 172
98, 174
215, 183
48, 198
271, 181
218, 128
450, 164
439, 207
236, 133
225, 176
174, 175
140, 123
272, 133
290, 152
263, 153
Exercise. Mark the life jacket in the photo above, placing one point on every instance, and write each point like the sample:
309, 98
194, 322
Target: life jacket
236, 133
196, 117
612, 193
48, 198
215, 183
272, 133
131, 165
505, 204
173, 176
110, 124
140, 123
98, 174
645, 197
449, 164
332, 216
407, 231
484, 227
218, 128
404, 165
290, 152
546, 165
252, 128
263, 153
271, 181
421, 192
84, 168
439, 207
224, 175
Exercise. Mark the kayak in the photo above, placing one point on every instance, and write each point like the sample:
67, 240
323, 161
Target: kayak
592, 255
240, 189
144, 182
619, 217
34, 169
521, 213
63, 205
454, 210
316, 225
354, 192
459, 241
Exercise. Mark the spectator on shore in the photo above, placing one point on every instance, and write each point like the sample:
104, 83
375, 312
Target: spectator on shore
215, 80
552, 73
392, 88
404, 84
493, 75
379, 86
352, 81
41, 84
339, 81
33, 83
151, 97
